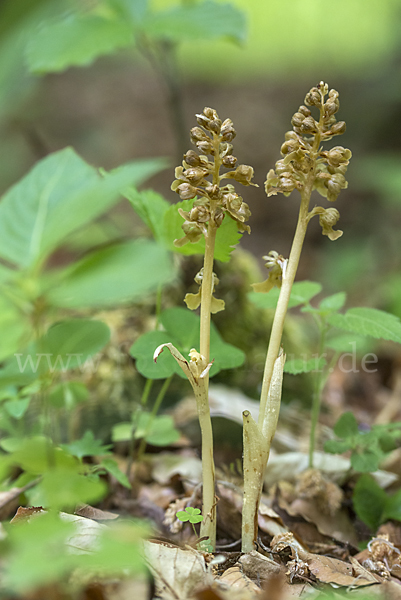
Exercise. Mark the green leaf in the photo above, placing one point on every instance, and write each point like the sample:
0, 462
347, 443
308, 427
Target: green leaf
38, 553
64, 489
333, 303
68, 394
337, 446
365, 461
205, 20
182, 330
112, 467
119, 273
183, 324
143, 349
59, 195
37, 455
135, 10
346, 426
342, 342
87, 446
14, 327
369, 321
151, 208
158, 430
182, 516
66, 345
75, 40
301, 293
227, 236
392, 508
122, 432
369, 501
17, 408
302, 365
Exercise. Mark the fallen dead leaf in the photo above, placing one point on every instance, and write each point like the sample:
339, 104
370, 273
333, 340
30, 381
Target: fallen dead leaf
166, 465
334, 571
178, 573
235, 578
258, 567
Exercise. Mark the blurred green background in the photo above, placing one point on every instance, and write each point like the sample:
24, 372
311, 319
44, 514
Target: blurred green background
115, 109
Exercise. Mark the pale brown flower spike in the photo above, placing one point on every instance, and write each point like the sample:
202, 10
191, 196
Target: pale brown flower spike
292, 172
199, 178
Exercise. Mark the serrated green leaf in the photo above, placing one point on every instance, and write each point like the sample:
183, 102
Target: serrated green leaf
227, 236
302, 292
151, 208
365, 461
369, 321
119, 273
333, 303
76, 39
337, 446
343, 342
112, 467
369, 501
346, 426
88, 445
302, 365
204, 20
60, 194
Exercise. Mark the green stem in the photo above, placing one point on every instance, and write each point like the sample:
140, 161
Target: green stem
316, 399
131, 452
154, 412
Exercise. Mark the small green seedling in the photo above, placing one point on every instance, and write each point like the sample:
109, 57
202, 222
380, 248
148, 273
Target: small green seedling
193, 516
368, 448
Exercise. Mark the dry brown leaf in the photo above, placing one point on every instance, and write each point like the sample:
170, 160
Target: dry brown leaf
96, 514
334, 571
359, 570
258, 567
178, 573
166, 465
235, 578
336, 526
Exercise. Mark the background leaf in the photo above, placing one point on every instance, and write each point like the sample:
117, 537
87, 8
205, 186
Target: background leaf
60, 194
302, 292
346, 426
118, 273
203, 20
182, 330
369, 321
75, 40
301, 365
226, 239
369, 501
